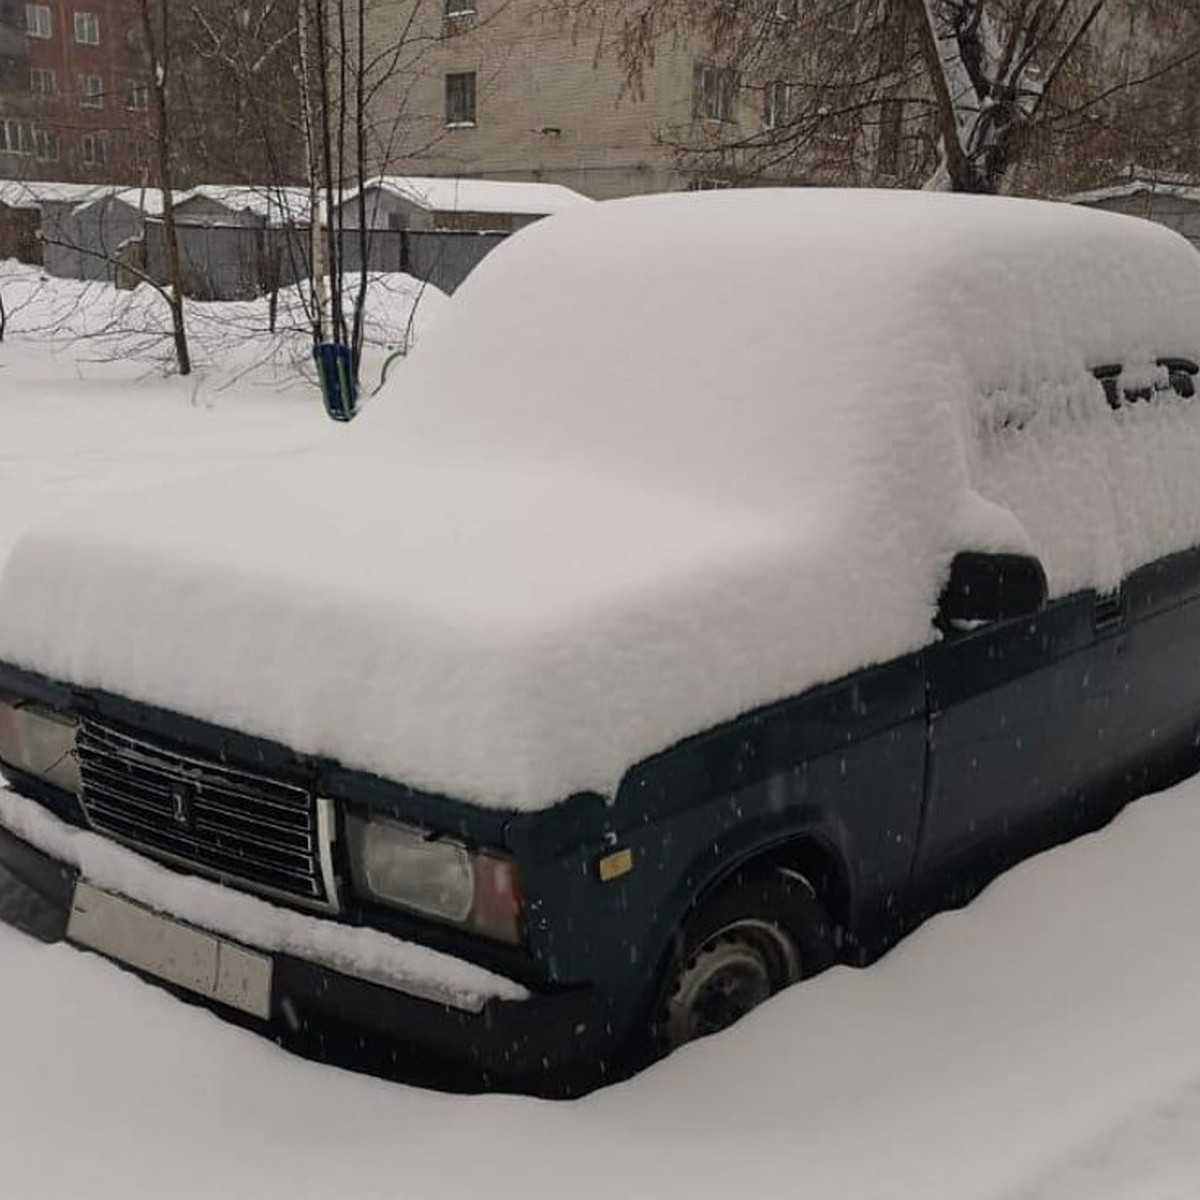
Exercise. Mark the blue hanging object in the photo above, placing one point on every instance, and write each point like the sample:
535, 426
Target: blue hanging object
339, 389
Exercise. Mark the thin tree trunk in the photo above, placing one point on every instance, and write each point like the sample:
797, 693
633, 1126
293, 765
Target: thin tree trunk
157, 55
360, 166
318, 269
333, 221
958, 165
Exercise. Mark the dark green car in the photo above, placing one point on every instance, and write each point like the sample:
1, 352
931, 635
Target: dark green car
636, 656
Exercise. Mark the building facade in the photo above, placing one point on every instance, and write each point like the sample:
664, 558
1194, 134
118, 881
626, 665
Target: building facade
540, 90
75, 104
73, 98
510, 89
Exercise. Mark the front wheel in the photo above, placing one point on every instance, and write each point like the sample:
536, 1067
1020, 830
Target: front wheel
756, 935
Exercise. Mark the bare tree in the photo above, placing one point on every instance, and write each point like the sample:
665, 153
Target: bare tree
238, 103
811, 90
156, 31
361, 62
1136, 110
970, 88
992, 64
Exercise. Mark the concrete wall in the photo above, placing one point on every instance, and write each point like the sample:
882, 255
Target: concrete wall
554, 104
547, 109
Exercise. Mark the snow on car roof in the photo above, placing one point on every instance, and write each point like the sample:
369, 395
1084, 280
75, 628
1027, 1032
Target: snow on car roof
659, 462
767, 304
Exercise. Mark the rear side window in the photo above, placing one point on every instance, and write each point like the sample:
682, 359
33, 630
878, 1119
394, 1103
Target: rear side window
1176, 375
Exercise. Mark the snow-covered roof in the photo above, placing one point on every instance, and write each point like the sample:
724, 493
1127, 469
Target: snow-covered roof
1138, 187
147, 200
477, 195
275, 204
29, 193
659, 461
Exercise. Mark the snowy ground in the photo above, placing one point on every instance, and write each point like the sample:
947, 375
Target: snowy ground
1045, 1042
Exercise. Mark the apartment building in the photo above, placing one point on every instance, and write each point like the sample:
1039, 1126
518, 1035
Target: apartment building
503, 89
73, 98
515, 89
75, 104
509, 89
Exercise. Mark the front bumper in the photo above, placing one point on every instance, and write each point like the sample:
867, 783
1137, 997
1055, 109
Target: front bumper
548, 1044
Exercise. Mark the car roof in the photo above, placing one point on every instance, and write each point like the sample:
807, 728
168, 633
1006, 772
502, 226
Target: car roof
690, 339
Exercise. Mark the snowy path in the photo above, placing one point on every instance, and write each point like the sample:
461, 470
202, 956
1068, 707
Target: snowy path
1043, 1044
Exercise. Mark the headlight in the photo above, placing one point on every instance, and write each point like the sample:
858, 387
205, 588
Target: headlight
402, 866
39, 742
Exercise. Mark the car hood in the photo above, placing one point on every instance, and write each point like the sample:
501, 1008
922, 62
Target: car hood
503, 635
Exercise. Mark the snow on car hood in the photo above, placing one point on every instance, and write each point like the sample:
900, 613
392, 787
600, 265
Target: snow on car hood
660, 461
508, 638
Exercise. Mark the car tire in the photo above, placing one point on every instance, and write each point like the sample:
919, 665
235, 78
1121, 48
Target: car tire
757, 934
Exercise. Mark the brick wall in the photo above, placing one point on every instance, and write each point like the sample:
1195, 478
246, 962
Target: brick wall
89, 134
82, 88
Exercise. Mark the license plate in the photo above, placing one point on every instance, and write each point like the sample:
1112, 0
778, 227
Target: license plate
171, 951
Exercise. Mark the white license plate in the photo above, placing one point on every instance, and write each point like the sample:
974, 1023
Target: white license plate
170, 950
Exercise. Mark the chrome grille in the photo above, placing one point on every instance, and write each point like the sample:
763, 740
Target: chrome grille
218, 820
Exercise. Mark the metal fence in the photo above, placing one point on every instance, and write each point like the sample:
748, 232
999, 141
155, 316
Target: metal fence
86, 242
237, 262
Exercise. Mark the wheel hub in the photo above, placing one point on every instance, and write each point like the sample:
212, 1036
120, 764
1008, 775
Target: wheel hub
733, 971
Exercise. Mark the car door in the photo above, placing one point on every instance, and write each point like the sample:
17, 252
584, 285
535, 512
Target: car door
1024, 734
1162, 727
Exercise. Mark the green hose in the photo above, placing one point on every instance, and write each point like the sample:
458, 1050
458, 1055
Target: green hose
387, 363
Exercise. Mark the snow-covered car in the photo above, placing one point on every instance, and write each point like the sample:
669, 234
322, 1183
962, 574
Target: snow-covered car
727, 583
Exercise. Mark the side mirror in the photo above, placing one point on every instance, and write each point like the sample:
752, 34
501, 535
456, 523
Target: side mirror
991, 587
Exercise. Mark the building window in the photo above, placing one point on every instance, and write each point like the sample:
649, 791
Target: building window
87, 29
460, 8
784, 9
460, 98
891, 122
91, 91
715, 91
15, 137
778, 104
95, 150
45, 145
841, 14
42, 81
137, 96
38, 22
838, 112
